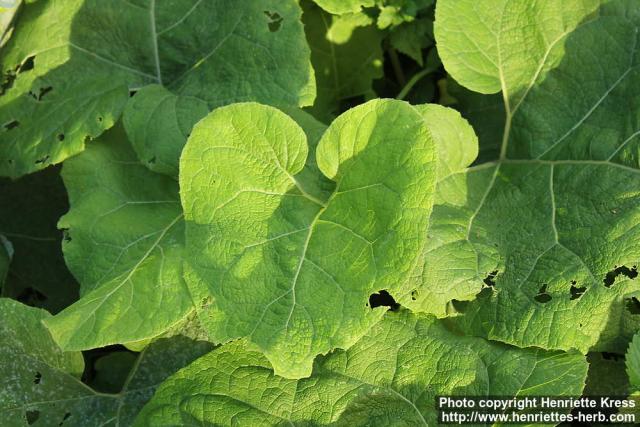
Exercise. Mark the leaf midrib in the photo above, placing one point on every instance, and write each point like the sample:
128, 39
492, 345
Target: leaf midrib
155, 47
510, 113
104, 298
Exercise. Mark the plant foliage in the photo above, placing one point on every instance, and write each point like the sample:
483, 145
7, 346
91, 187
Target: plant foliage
247, 228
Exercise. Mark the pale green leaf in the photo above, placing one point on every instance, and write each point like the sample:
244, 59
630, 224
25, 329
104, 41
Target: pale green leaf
490, 45
391, 376
310, 263
343, 26
220, 52
442, 263
40, 384
124, 243
456, 142
551, 227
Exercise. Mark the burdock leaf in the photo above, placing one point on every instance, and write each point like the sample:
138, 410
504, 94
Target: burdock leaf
289, 269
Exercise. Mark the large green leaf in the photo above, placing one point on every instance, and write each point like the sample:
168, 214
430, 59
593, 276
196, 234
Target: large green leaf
290, 267
219, 51
552, 226
124, 243
347, 57
391, 376
29, 211
507, 44
40, 384
442, 274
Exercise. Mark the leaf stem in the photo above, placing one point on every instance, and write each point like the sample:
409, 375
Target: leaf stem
397, 68
413, 81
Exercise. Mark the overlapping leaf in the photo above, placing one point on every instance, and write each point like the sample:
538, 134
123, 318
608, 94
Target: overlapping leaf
219, 51
124, 243
158, 124
40, 384
485, 113
270, 257
442, 262
391, 376
552, 227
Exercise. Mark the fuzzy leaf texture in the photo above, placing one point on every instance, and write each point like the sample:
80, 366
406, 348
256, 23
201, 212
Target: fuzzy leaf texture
124, 242
193, 48
391, 376
311, 259
551, 228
